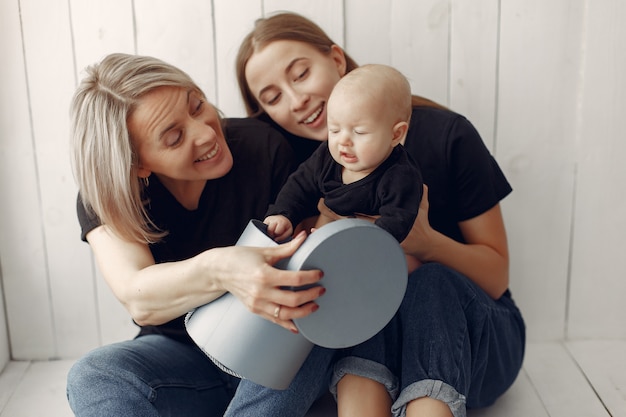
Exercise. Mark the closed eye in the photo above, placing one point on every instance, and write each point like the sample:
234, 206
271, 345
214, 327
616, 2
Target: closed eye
274, 99
196, 104
303, 74
173, 137
199, 106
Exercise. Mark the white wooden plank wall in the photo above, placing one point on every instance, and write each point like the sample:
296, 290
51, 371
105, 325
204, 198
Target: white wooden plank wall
542, 81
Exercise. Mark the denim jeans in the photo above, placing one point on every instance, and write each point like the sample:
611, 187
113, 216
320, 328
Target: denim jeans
449, 341
150, 376
310, 383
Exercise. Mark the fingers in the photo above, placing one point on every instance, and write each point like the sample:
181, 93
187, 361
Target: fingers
284, 250
280, 236
299, 297
271, 296
278, 227
271, 227
284, 315
288, 305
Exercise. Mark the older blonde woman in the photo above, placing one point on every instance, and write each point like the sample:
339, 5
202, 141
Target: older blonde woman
165, 189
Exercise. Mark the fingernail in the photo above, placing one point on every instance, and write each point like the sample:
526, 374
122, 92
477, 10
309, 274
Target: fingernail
294, 330
322, 291
315, 308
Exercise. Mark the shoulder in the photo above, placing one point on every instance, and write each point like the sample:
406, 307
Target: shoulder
439, 131
249, 128
400, 165
400, 161
322, 150
256, 145
303, 148
251, 135
439, 121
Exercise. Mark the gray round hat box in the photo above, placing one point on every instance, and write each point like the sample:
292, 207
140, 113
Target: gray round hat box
365, 276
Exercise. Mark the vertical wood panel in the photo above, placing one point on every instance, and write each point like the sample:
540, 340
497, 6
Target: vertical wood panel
51, 83
419, 42
180, 33
232, 24
23, 251
5, 353
598, 287
539, 49
99, 28
368, 23
473, 63
21, 242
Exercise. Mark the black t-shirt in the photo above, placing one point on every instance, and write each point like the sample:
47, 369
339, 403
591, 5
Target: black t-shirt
262, 162
393, 191
463, 179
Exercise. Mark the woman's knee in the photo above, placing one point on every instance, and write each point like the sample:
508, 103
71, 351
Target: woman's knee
85, 377
87, 368
434, 281
101, 366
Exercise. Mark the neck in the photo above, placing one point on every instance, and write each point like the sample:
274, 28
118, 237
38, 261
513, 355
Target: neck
187, 193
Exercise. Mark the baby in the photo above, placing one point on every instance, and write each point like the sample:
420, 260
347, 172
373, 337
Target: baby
363, 168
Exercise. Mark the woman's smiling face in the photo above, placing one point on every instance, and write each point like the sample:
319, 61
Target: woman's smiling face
292, 82
178, 136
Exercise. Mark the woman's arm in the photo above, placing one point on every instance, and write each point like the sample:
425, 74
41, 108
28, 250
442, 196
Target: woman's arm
484, 258
156, 293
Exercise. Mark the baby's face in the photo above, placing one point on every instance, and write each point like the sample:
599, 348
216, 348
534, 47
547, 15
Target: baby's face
360, 130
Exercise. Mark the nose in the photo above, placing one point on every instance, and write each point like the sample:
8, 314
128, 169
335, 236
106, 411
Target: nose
298, 99
343, 138
201, 133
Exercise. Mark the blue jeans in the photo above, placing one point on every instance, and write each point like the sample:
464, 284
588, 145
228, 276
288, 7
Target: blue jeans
449, 341
310, 383
149, 376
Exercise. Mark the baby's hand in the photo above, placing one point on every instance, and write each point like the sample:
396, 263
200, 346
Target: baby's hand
279, 227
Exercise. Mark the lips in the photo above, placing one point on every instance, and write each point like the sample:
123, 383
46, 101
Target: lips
313, 117
209, 154
349, 158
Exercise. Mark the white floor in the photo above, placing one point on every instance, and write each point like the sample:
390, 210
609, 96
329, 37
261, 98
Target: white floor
570, 379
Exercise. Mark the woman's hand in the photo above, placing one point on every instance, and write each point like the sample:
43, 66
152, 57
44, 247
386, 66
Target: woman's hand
250, 275
417, 243
483, 257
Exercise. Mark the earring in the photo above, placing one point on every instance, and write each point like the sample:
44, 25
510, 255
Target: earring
146, 181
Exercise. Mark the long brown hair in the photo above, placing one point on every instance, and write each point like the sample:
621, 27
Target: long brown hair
291, 27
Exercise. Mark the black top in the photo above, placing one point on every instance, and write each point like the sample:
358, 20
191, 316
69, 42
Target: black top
393, 191
463, 179
262, 163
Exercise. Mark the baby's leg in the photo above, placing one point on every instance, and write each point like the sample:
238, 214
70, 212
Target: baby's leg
363, 397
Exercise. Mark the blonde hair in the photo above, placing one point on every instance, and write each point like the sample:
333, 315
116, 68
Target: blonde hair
104, 161
291, 27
